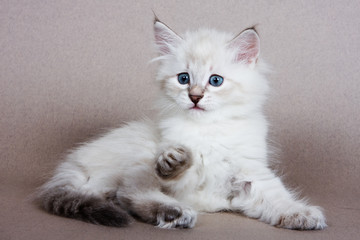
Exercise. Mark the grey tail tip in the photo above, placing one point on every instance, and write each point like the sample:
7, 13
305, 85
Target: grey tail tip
85, 208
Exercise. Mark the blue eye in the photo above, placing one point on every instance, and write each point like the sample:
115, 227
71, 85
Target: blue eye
183, 78
216, 80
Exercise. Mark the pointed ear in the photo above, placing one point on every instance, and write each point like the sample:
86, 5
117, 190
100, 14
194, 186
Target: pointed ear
165, 39
247, 46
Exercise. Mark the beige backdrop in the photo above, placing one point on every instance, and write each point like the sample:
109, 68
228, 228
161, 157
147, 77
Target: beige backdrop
70, 69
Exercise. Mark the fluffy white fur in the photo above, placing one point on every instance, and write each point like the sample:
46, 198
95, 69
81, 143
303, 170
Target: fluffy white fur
223, 139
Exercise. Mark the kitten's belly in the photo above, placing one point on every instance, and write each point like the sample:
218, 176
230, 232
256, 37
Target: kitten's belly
219, 161
208, 182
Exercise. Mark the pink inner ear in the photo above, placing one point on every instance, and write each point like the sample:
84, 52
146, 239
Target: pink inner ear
247, 45
248, 53
161, 41
165, 38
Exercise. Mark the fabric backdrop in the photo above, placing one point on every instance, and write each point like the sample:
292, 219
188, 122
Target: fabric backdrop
69, 70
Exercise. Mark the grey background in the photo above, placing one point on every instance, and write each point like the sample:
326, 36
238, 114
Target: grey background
71, 69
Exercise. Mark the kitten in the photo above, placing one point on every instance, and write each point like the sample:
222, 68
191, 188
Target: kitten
205, 152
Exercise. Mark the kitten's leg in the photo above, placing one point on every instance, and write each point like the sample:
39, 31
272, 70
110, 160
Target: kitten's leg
153, 206
158, 209
269, 201
68, 193
172, 162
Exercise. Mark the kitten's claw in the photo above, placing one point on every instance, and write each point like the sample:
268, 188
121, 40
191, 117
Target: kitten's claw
309, 218
172, 162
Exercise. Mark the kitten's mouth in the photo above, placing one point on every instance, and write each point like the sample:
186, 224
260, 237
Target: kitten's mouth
197, 108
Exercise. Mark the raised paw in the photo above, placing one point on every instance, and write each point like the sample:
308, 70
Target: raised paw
173, 162
175, 217
309, 218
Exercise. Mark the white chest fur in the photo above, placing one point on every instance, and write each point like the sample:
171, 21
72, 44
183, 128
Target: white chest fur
222, 151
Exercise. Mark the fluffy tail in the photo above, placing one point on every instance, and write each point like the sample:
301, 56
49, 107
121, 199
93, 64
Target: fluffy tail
64, 202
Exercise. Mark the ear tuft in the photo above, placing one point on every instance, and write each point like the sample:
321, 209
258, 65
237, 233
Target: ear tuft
165, 39
247, 46
156, 19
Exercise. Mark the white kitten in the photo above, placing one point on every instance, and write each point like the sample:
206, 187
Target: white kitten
206, 151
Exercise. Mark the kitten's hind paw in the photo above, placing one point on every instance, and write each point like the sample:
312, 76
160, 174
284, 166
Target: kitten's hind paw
175, 217
309, 218
172, 162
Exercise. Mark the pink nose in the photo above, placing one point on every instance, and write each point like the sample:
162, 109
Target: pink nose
196, 93
195, 98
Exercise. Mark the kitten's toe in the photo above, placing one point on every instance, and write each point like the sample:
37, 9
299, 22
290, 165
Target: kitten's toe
172, 162
187, 220
177, 155
176, 217
310, 218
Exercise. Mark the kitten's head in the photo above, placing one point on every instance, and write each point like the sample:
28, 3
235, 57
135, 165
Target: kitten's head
207, 73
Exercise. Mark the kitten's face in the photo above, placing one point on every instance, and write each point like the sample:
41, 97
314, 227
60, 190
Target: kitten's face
206, 71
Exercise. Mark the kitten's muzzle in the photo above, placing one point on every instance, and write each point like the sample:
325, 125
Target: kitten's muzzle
195, 94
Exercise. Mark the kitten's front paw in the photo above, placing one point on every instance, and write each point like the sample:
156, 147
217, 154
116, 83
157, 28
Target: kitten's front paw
175, 217
308, 218
172, 162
